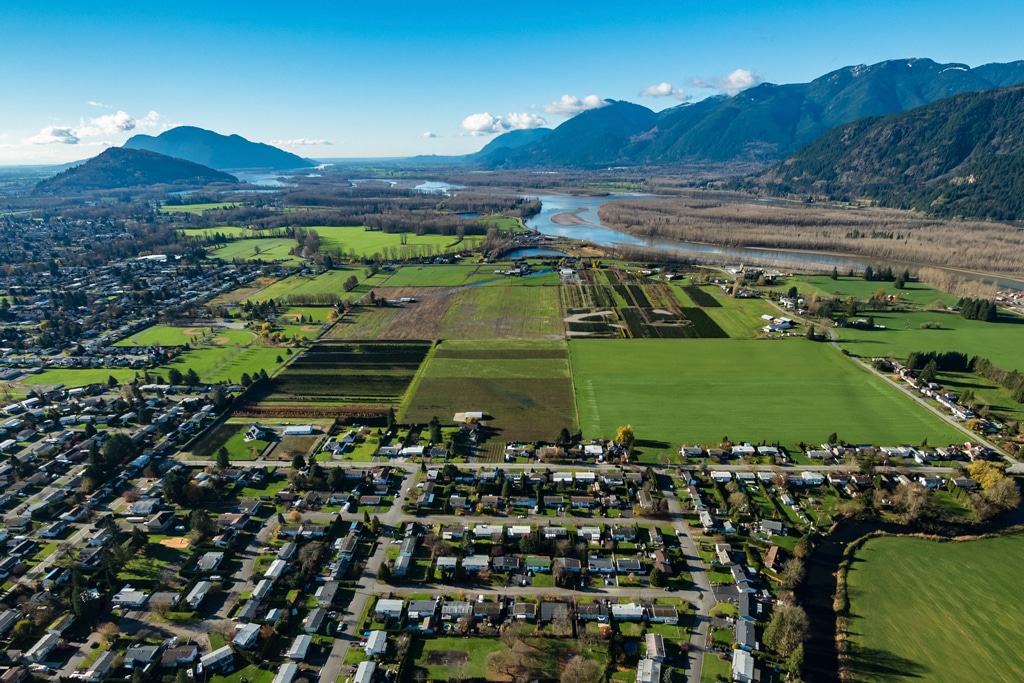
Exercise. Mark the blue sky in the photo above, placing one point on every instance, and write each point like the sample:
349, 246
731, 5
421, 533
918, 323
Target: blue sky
369, 79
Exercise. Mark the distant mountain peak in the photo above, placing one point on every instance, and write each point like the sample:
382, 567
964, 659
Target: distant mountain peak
223, 152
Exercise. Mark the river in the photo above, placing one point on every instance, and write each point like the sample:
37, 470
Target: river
577, 218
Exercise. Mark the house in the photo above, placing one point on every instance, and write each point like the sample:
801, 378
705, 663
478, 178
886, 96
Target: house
376, 643
315, 620
662, 562
745, 606
287, 551
555, 532
276, 570
592, 612
401, 566
453, 532
520, 531
447, 563
420, 609
691, 451
101, 667
287, 673
656, 538
629, 565
742, 666
585, 502
507, 564
475, 563
491, 611
591, 534
300, 648
391, 609
249, 611
326, 593
568, 564
524, 611
255, 432
773, 558
350, 543
627, 612
42, 648
812, 478
298, 430
664, 614
655, 647
488, 531
8, 619
624, 533
721, 477
232, 520
648, 671
549, 611
246, 636
772, 528
745, 636
160, 522
210, 561
54, 530
739, 575
600, 565
365, 673
129, 597
220, 660
262, 589
538, 564
455, 610
197, 594
408, 547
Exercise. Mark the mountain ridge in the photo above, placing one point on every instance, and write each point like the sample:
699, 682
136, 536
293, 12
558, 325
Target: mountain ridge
222, 152
116, 168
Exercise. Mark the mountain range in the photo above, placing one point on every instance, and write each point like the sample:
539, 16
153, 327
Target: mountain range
959, 156
761, 125
222, 152
117, 167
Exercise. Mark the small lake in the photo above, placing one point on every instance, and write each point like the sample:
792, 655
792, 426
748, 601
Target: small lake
532, 252
594, 231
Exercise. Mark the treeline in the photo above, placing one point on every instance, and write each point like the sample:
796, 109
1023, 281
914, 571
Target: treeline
927, 363
978, 309
1011, 380
945, 361
988, 247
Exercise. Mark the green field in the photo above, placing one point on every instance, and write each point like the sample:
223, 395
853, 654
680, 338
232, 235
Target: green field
360, 242
441, 275
327, 283
857, 287
262, 249
196, 208
1000, 342
225, 230
223, 363
73, 377
699, 391
166, 335
477, 649
740, 318
936, 611
523, 388
503, 313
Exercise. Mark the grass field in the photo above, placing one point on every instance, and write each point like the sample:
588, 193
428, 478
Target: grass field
196, 208
985, 391
1000, 342
741, 318
226, 230
937, 611
699, 391
222, 363
360, 242
330, 282
503, 313
441, 275
477, 649
261, 249
76, 377
524, 387
823, 285
166, 335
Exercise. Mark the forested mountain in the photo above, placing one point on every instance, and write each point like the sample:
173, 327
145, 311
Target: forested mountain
117, 168
961, 156
763, 124
224, 152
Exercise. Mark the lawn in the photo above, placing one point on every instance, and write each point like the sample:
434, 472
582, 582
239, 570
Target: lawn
261, 249
77, 377
937, 611
1000, 342
249, 674
477, 650
165, 335
503, 313
712, 667
197, 208
699, 391
327, 283
227, 231
232, 437
224, 363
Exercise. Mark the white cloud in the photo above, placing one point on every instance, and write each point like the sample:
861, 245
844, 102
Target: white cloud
108, 124
570, 105
485, 123
429, 135
54, 135
301, 142
93, 103
735, 82
664, 89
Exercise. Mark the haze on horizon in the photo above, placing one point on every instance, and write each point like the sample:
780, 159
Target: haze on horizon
413, 78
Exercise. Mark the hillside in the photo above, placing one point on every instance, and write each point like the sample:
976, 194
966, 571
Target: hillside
223, 152
961, 156
121, 168
763, 124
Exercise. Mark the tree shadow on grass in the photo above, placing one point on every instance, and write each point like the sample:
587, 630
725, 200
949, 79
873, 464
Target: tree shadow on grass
881, 665
650, 443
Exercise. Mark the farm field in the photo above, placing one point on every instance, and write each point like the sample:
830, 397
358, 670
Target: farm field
262, 249
226, 230
419, 319
699, 391
523, 387
328, 284
904, 628
1000, 342
196, 208
503, 313
360, 373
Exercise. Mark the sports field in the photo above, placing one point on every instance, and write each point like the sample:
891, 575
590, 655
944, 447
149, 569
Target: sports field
166, 335
701, 390
523, 387
942, 612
